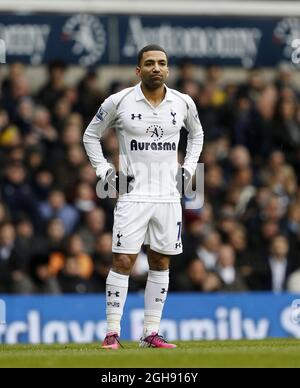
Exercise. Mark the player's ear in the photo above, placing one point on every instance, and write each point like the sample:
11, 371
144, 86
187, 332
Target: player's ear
138, 71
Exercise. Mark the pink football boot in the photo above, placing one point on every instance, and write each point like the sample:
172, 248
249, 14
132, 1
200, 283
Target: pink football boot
155, 341
111, 341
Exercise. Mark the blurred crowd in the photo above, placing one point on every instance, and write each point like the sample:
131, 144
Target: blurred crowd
55, 234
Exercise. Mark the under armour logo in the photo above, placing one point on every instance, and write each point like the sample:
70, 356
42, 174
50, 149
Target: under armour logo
119, 235
177, 245
173, 114
163, 290
116, 294
138, 116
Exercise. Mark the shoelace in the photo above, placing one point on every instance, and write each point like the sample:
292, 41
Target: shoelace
111, 338
160, 338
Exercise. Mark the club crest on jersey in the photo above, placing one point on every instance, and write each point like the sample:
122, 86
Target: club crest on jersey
156, 132
138, 116
173, 114
101, 114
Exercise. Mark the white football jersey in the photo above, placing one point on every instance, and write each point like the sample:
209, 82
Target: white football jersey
148, 141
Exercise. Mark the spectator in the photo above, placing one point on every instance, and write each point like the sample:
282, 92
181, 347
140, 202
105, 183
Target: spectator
197, 278
43, 131
239, 242
25, 115
3, 213
67, 177
55, 87
42, 183
209, 249
102, 258
287, 129
70, 279
92, 227
52, 240
186, 74
215, 186
14, 274
84, 200
16, 71
7, 237
56, 207
75, 248
227, 221
45, 281
18, 195
90, 96
292, 224
277, 267
227, 271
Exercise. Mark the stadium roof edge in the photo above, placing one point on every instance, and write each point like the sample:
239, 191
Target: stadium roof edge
165, 7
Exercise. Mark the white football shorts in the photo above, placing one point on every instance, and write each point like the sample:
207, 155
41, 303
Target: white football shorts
155, 224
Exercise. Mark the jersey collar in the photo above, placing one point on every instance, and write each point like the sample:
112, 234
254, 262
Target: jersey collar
139, 95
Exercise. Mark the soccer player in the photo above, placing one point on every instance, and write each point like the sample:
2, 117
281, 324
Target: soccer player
147, 119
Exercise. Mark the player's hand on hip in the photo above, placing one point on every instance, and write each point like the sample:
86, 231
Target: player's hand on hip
118, 181
124, 183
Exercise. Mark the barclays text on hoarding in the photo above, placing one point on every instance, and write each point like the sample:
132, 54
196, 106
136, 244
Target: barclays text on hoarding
208, 317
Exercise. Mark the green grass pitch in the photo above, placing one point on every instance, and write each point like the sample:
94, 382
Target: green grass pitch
194, 354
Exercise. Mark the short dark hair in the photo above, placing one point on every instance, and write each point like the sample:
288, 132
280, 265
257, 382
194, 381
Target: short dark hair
149, 47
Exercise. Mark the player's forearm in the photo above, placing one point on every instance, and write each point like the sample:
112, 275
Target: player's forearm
193, 150
93, 148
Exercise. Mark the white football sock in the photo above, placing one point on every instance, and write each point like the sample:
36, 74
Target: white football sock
155, 297
116, 293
